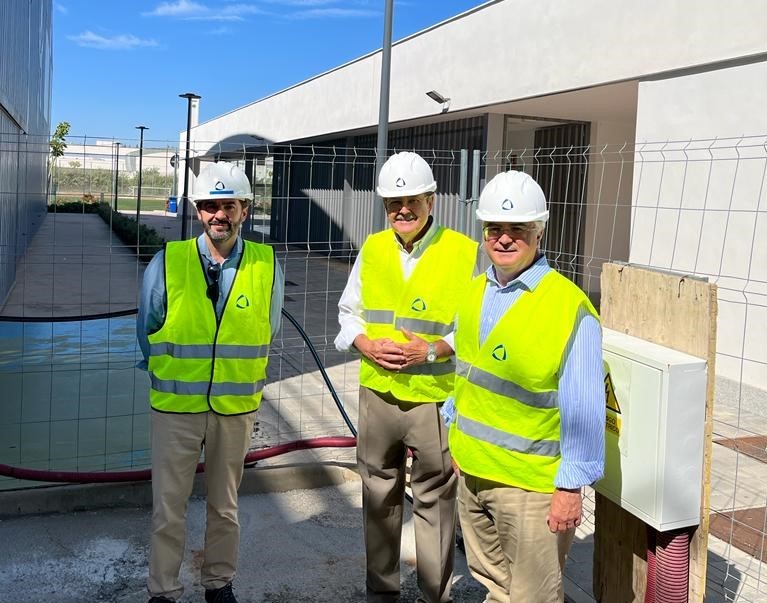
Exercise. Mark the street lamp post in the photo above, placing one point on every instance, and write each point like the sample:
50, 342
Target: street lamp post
189, 96
383, 109
140, 170
117, 172
138, 192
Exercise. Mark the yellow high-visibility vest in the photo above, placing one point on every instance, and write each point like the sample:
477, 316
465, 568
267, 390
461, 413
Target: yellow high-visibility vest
425, 304
197, 363
506, 390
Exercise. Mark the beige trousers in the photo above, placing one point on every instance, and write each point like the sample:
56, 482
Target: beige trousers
387, 428
509, 547
177, 441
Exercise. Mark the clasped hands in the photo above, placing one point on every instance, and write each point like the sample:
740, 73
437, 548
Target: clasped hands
392, 355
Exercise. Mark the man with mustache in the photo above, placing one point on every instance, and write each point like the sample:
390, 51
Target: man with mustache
208, 311
528, 425
398, 311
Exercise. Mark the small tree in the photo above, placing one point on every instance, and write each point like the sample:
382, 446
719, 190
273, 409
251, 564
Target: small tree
58, 145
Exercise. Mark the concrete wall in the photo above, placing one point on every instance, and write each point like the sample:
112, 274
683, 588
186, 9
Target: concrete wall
519, 46
699, 198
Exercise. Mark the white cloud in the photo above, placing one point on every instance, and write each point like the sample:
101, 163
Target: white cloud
61, 8
335, 13
119, 42
303, 2
194, 11
179, 8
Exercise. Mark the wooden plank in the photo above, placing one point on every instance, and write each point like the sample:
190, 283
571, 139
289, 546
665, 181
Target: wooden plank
679, 312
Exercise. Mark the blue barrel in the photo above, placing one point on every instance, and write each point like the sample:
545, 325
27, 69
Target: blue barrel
172, 205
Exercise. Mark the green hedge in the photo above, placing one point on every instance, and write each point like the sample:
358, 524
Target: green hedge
123, 226
125, 229
74, 207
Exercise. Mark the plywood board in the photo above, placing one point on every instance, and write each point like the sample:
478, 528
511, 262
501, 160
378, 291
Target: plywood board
679, 312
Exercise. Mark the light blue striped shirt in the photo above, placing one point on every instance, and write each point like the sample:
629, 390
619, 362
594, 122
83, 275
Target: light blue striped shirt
581, 384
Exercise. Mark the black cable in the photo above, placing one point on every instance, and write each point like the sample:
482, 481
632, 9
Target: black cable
324, 373
83, 317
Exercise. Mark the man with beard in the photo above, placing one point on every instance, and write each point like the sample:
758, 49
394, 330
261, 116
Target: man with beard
208, 311
398, 311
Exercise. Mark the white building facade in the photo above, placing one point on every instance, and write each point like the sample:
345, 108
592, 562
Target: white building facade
644, 122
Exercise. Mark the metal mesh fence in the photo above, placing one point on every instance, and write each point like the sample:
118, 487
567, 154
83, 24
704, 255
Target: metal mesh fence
74, 400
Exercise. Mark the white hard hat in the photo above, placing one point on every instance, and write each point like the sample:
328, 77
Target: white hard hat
404, 175
221, 180
512, 197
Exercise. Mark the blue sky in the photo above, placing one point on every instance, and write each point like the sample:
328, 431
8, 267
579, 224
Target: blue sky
122, 63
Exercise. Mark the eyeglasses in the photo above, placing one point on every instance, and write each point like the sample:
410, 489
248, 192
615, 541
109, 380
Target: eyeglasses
515, 231
394, 204
214, 272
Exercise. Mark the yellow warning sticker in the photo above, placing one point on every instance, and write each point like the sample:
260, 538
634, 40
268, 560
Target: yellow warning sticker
614, 420
612, 401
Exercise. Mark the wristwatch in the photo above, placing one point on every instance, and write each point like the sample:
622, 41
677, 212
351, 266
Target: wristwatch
431, 353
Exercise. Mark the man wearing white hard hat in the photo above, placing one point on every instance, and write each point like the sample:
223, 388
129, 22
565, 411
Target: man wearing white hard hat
208, 311
527, 419
398, 311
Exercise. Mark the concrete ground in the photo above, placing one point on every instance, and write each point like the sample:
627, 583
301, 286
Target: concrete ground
301, 542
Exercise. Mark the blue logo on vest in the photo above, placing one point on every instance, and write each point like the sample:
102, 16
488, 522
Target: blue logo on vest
507, 205
418, 305
499, 352
242, 302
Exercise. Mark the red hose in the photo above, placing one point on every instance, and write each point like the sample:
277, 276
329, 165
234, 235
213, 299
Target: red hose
649, 593
673, 566
93, 477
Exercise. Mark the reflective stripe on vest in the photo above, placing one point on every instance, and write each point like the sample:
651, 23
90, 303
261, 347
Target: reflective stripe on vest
425, 304
417, 325
507, 440
502, 387
434, 368
385, 317
198, 363
206, 350
507, 427
200, 388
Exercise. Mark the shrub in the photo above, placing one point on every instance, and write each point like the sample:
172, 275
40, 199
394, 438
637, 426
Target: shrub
73, 207
125, 229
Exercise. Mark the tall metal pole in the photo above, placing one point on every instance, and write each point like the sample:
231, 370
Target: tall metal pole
140, 170
189, 96
117, 172
138, 193
383, 109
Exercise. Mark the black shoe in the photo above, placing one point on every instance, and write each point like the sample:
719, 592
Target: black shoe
161, 600
220, 595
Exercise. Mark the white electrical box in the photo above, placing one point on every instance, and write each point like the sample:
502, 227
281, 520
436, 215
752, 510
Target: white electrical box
656, 406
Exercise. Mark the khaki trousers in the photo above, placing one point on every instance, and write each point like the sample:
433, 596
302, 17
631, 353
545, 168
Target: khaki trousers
177, 441
509, 547
387, 428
